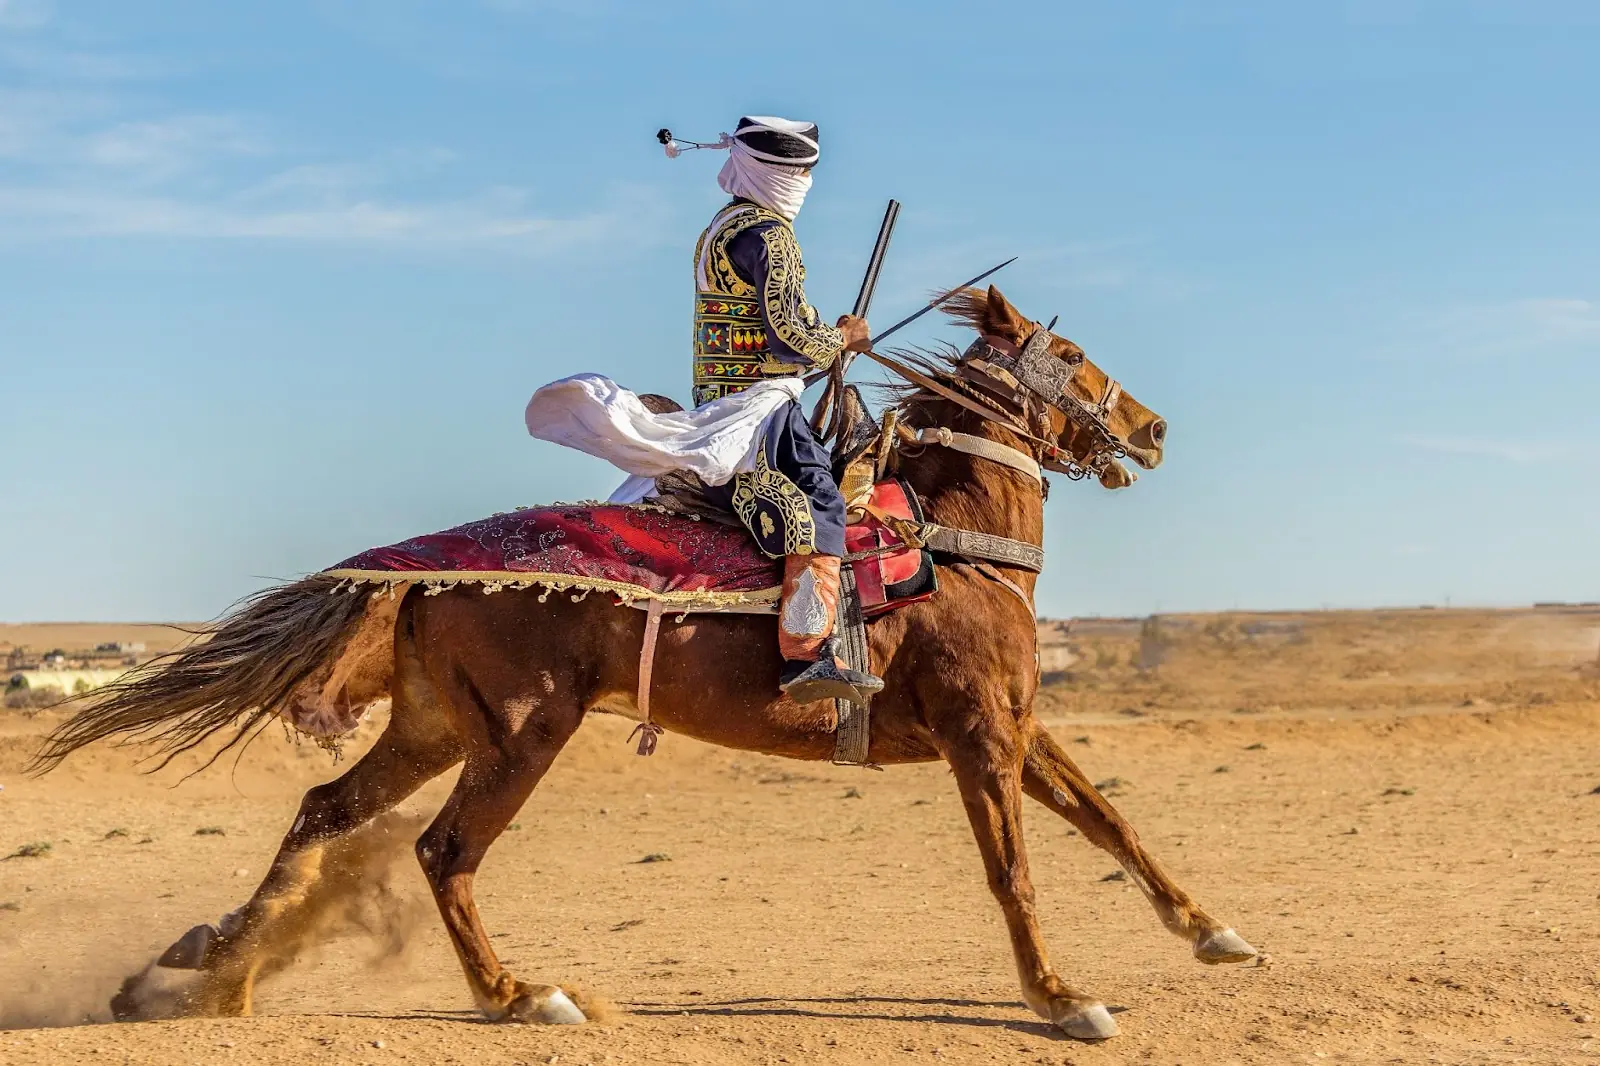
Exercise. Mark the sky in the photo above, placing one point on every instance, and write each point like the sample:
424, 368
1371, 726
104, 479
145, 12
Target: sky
276, 279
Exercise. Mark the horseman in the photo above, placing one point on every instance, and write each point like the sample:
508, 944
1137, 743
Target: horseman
752, 322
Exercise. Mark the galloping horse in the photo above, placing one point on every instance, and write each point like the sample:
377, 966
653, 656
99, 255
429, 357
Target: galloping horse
500, 683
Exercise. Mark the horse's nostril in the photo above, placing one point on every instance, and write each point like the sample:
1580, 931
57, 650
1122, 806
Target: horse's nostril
1158, 431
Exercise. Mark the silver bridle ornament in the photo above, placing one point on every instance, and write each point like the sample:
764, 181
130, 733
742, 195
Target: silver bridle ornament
1031, 372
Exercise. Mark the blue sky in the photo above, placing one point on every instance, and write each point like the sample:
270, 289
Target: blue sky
277, 279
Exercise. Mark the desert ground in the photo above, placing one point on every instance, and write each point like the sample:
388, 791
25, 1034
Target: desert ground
1400, 808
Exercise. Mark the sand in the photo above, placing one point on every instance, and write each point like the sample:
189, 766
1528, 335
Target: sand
1398, 807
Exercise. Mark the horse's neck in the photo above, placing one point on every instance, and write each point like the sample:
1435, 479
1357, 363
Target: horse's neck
967, 492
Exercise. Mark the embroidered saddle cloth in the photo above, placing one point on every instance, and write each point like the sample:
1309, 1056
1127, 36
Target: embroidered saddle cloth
640, 552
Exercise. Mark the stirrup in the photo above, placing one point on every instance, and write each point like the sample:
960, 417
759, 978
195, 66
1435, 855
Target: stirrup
825, 679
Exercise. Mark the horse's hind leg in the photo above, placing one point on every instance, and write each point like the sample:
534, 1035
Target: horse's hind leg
416, 746
985, 753
1050, 776
492, 788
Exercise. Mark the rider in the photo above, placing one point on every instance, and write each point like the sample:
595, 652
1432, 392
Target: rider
752, 321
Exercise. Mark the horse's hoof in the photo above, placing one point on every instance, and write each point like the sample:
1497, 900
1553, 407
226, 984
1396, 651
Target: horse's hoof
1223, 945
545, 1005
189, 951
1086, 1022
126, 1005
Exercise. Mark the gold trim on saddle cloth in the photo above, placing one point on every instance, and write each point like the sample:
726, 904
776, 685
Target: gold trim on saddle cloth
438, 581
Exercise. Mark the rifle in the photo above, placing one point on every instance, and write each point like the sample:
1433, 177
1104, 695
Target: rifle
833, 396
834, 392
875, 264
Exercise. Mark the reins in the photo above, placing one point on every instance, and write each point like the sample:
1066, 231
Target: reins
1027, 372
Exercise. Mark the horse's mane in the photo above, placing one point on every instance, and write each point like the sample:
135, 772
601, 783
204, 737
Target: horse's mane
937, 362
968, 307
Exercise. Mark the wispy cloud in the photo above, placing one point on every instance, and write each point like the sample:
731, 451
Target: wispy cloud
1521, 452
1504, 328
1070, 265
24, 14
1559, 321
84, 159
498, 216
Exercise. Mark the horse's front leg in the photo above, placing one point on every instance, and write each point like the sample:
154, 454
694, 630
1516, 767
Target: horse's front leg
1050, 776
985, 750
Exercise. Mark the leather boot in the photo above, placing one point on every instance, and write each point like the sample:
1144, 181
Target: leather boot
807, 614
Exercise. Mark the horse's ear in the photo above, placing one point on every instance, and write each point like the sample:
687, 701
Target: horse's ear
1001, 319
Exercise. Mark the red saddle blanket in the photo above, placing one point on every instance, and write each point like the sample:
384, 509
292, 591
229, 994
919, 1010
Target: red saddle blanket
636, 553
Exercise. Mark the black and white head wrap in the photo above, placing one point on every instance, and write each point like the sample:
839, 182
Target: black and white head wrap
768, 161
779, 141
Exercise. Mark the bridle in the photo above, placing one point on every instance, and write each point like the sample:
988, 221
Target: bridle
1029, 376
994, 374
1007, 385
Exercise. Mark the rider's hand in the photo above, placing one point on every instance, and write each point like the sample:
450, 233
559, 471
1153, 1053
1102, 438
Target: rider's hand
857, 337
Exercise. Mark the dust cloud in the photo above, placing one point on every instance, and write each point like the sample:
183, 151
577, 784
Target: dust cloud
356, 893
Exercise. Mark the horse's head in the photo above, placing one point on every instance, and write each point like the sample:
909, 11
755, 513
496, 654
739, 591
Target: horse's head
1087, 394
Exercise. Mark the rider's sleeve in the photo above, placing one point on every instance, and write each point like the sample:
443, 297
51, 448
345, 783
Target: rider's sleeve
768, 255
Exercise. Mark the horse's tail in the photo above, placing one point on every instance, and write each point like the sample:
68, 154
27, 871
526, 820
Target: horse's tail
242, 672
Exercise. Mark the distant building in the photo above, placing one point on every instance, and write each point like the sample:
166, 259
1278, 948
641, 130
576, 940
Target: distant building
67, 682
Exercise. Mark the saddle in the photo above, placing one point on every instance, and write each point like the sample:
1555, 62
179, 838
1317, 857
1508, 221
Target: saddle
888, 571
885, 566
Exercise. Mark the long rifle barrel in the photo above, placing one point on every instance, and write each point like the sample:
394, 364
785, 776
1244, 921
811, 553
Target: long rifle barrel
875, 264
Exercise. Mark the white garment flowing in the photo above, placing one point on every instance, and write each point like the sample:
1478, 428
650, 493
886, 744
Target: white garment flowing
715, 441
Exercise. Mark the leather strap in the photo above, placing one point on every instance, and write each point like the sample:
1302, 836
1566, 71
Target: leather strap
1015, 589
853, 733
982, 447
966, 542
919, 378
1049, 449
647, 661
974, 545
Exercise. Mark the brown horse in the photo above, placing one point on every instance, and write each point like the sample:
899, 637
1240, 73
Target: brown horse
500, 683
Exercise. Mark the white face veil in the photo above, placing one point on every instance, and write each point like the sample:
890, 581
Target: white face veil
769, 161
774, 186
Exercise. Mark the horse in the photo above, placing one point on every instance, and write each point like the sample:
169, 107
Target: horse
500, 683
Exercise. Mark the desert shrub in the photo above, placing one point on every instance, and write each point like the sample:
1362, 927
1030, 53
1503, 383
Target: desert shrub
26, 699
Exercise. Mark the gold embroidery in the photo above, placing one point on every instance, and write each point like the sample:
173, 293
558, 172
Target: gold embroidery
713, 269
796, 322
731, 347
731, 351
767, 528
767, 486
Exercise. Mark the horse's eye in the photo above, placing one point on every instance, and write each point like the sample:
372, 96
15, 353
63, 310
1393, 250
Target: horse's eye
1074, 358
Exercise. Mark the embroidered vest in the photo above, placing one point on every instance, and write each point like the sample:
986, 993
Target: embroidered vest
731, 350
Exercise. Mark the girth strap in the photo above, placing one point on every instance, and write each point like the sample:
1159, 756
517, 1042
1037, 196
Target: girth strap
964, 542
974, 545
